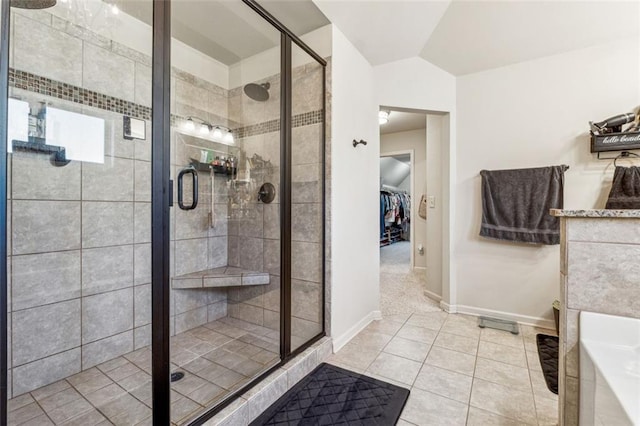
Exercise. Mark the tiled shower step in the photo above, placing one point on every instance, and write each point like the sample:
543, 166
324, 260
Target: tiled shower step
225, 276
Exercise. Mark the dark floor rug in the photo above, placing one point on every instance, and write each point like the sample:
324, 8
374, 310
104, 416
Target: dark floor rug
330, 395
548, 353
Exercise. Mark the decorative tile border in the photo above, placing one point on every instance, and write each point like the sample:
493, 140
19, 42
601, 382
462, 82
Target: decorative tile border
57, 89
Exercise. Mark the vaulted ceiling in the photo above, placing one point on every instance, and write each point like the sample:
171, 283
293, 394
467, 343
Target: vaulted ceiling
467, 36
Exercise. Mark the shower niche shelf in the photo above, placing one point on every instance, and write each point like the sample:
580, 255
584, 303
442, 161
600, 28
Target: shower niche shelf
225, 276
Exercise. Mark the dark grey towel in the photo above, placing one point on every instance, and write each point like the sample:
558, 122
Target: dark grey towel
625, 189
516, 204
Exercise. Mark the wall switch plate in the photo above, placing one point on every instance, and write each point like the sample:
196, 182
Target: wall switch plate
432, 201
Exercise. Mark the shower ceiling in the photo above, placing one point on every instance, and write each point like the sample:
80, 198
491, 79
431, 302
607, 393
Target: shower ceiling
218, 28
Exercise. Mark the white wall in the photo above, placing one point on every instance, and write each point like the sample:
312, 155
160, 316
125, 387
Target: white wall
415, 140
434, 229
527, 115
355, 288
419, 85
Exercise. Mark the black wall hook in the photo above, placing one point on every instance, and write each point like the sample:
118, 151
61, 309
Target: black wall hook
356, 143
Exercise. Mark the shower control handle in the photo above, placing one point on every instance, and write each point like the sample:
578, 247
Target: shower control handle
194, 176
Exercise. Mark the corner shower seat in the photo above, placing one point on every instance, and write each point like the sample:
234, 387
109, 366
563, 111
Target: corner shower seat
225, 276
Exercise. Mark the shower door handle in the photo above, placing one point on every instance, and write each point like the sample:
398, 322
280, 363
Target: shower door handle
194, 176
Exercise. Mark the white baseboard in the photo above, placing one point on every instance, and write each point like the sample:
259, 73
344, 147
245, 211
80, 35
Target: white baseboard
447, 307
432, 295
520, 319
421, 268
340, 341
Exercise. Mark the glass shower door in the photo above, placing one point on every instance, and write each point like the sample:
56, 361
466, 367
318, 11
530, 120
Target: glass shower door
79, 217
225, 233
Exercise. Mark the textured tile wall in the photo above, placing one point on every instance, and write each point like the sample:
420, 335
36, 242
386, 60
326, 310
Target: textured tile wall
599, 273
92, 221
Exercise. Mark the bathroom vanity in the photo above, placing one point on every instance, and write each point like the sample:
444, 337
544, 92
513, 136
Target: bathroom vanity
599, 273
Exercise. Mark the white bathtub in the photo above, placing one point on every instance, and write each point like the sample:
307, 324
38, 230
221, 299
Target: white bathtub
609, 370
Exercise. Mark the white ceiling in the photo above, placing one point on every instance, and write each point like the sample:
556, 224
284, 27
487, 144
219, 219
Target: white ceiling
393, 171
387, 30
474, 36
466, 36
403, 121
229, 31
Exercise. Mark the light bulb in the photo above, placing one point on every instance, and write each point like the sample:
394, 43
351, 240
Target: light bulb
114, 9
189, 125
383, 117
228, 138
217, 133
204, 129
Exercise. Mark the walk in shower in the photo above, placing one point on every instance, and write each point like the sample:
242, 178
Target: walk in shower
88, 123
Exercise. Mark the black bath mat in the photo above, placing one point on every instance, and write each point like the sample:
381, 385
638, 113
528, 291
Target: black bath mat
330, 395
548, 353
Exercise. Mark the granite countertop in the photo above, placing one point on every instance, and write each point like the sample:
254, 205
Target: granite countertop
604, 213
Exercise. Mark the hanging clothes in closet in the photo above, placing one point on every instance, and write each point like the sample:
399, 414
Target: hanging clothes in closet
395, 214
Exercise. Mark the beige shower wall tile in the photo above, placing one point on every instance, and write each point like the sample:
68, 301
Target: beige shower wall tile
105, 269
110, 181
47, 52
45, 278
108, 73
34, 177
45, 330
56, 224
603, 278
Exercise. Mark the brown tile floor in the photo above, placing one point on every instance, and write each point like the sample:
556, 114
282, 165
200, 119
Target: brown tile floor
217, 358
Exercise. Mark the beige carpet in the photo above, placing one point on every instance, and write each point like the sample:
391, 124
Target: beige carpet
401, 289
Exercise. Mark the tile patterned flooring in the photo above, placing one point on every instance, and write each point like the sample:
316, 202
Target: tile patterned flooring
458, 374
216, 358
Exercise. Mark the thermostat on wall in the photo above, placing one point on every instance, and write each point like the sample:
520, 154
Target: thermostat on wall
134, 128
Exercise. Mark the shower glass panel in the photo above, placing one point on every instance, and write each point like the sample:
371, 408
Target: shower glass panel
79, 186
225, 234
307, 196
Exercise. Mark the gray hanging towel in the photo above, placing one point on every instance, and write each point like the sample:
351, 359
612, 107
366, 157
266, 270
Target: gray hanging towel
625, 189
516, 204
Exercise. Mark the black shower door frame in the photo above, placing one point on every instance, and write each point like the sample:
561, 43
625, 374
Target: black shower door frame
160, 205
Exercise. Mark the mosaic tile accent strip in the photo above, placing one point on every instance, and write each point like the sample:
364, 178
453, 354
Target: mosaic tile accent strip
57, 89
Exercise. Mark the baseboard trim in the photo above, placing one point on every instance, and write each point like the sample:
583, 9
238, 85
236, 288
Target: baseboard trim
451, 309
340, 341
433, 296
520, 319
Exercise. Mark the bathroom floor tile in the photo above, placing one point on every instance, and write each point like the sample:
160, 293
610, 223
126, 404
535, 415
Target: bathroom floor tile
400, 369
119, 391
445, 383
416, 351
504, 401
426, 408
451, 360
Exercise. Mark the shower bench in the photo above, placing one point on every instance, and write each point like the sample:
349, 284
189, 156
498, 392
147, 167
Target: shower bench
225, 276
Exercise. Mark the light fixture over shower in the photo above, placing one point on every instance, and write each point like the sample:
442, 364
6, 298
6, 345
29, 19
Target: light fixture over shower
215, 132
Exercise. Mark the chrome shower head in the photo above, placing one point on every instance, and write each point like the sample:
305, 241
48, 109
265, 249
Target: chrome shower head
33, 4
257, 92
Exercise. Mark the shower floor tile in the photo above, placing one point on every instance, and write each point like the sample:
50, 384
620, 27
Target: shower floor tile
216, 359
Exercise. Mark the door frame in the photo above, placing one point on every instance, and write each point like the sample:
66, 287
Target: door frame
412, 217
